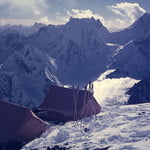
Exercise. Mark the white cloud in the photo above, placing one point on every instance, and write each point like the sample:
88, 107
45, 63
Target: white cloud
23, 9
127, 12
113, 91
131, 10
76, 13
24, 12
44, 20
26, 22
37, 10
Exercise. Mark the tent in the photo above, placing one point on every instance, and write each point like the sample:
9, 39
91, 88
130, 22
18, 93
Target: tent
64, 104
18, 125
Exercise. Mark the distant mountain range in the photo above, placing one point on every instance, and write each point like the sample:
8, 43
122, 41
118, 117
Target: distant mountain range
32, 58
23, 30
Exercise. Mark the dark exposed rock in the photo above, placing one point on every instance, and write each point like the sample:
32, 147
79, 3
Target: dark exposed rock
140, 92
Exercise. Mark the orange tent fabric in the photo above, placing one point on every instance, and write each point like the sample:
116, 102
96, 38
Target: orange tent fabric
63, 104
18, 124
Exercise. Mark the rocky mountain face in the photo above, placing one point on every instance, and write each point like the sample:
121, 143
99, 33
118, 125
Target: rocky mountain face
23, 78
137, 31
132, 58
10, 41
78, 48
70, 53
74, 54
140, 92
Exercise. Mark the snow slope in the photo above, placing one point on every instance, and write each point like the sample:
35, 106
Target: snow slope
118, 126
106, 89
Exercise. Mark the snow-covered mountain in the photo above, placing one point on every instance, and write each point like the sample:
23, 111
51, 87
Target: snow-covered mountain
10, 41
70, 53
78, 48
23, 77
74, 53
132, 59
137, 31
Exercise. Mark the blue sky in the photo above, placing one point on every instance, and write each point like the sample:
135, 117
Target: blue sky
110, 12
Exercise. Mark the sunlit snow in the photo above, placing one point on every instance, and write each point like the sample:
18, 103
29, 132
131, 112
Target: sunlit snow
112, 91
118, 126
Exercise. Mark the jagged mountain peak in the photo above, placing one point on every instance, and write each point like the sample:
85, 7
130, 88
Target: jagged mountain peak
146, 15
143, 22
47, 28
137, 31
7, 32
132, 59
22, 29
28, 59
26, 76
12, 37
75, 37
37, 24
16, 62
75, 53
87, 21
76, 26
88, 24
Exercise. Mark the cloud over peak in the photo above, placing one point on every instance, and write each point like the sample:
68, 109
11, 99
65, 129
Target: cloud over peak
124, 15
126, 9
30, 11
76, 13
